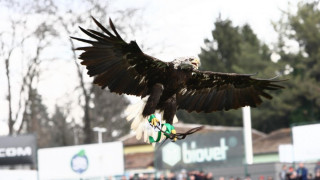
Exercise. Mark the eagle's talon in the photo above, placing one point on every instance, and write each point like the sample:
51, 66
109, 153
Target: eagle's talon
154, 122
173, 135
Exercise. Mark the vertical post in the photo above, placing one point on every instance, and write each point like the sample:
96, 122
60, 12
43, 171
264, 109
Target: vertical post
99, 130
247, 134
99, 137
75, 136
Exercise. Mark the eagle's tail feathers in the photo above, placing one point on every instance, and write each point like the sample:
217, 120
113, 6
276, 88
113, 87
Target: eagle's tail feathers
139, 131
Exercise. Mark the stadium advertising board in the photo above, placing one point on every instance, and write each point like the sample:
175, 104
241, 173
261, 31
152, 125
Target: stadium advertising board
286, 154
306, 145
7, 174
18, 150
84, 161
201, 150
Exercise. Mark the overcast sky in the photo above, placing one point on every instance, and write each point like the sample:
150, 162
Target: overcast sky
183, 24
176, 27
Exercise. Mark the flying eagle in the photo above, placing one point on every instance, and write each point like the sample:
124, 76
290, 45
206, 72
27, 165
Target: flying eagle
169, 86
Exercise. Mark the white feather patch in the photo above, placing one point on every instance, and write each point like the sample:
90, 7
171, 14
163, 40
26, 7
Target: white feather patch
140, 124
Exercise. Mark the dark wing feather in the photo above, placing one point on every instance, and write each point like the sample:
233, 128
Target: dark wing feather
212, 91
120, 66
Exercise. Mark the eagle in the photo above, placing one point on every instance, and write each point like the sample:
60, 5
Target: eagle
167, 86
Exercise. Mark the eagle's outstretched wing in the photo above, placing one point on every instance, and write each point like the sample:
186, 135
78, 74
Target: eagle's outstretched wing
212, 91
120, 66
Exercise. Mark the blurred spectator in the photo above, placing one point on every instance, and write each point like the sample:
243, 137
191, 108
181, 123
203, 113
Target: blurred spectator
111, 178
140, 175
182, 175
162, 177
283, 172
317, 175
171, 176
270, 178
302, 172
309, 177
192, 177
144, 177
248, 177
201, 176
299, 174
317, 167
134, 177
198, 175
152, 177
291, 174
209, 176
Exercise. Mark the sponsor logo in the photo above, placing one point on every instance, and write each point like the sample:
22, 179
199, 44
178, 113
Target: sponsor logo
167, 152
79, 162
15, 151
198, 155
173, 153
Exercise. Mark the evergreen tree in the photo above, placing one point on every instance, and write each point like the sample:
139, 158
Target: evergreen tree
50, 131
107, 111
62, 132
36, 119
303, 67
237, 49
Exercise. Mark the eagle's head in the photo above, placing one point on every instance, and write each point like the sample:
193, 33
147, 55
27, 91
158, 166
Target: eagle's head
186, 63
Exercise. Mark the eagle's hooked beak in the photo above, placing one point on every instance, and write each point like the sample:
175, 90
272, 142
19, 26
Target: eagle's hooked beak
196, 63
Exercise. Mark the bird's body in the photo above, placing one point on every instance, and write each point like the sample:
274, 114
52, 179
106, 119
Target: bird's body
125, 69
167, 90
163, 89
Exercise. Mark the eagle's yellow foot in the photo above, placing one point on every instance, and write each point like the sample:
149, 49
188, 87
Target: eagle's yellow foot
154, 121
173, 131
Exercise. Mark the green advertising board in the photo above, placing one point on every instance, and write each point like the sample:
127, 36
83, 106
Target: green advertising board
198, 151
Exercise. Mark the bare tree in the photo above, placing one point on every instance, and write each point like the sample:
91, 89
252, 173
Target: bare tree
70, 22
86, 92
9, 43
24, 101
15, 43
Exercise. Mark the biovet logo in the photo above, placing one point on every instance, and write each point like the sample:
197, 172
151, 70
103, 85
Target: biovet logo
79, 162
173, 153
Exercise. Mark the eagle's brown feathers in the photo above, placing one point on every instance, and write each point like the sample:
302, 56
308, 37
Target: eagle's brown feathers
125, 69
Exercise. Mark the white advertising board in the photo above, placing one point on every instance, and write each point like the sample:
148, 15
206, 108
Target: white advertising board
306, 144
84, 161
286, 153
18, 174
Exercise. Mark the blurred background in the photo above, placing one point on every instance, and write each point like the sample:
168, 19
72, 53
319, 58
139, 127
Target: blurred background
48, 102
